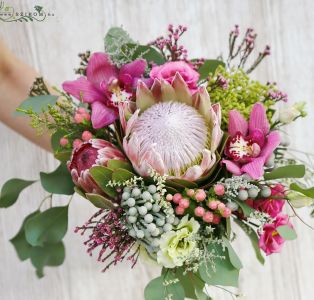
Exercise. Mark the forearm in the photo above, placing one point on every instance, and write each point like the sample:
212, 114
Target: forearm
16, 79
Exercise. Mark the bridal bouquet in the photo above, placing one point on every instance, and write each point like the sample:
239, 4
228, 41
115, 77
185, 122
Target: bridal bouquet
174, 153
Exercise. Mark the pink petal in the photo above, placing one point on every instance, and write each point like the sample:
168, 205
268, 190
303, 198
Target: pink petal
258, 119
255, 168
237, 123
273, 141
102, 115
100, 68
232, 167
182, 91
193, 173
167, 91
208, 160
144, 97
84, 90
134, 69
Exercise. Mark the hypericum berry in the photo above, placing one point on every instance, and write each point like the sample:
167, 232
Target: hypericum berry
78, 118
243, 195
185, 203
216, 219
213, 204
219, 189
63, 141
77, 143
169, 197
180, 210
86, 135
208, 217
221, 206
252, 192
265, 192
200, 195
176, 198
226, 213
199, 211
190, 193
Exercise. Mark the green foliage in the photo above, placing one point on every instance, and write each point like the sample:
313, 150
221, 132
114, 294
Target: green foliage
241, 93
306, 192
48, 227
289, 171
286, 232
221, 272
37, 104
99, 201
11, 190
102, 176
253, 238
247, 210
114, 164
58, 182
166, 286
209, 66
233, 257
115, 38
122, 175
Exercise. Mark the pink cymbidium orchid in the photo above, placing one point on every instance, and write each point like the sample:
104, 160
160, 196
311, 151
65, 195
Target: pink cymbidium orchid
251, 143
105, 86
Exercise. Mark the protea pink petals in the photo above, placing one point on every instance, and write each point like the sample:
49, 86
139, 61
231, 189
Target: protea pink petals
204, 103
258, 119
217, 109
100, 69
237, 123
183, 93
102, 115
84, 90
144, 97
193, 173
167, 91
156, 90
209, 159
89, 154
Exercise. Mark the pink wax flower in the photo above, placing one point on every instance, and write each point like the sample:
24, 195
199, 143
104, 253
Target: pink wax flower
89, 154
270, 240
105, 86
271, 206
168, 71
251, 143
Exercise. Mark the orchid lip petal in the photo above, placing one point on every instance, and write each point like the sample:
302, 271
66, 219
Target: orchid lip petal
102, 115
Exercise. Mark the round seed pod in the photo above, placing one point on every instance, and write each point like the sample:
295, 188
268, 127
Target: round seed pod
265, 192
142, 210
160, 222
170, 219
271, 161
151, 227
253, 192
155, 242
126, 196
132, 211
156, 232
167, 227
136, 192
232, 206
132, 233
156, 208
148, 205
130, 202
148, 218
152, 189
140, 234
132, 219
156, 197
127, 190
243, 195
176, 221
146, 196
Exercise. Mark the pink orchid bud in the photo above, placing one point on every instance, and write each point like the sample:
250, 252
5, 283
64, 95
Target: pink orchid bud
169, 197
208, 217
200, 195
77, 143
219, 189
176, 198
185, 203
86, 135
63, 141
199, 211
180, 210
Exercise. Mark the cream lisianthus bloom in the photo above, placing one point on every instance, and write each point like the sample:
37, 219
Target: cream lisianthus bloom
177, 245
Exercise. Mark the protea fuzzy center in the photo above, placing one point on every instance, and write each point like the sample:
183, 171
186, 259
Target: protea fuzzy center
175, 130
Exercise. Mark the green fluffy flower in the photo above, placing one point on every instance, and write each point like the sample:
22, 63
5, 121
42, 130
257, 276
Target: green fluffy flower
238, 92
177, 245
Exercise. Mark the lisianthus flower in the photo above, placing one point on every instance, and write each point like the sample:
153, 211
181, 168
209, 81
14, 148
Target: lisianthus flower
173, 131
250, 143
169, 70
271, 206
177, 245
270, 240
104, 86
92, 153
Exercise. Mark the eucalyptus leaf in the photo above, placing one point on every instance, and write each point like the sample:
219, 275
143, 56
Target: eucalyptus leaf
233, 257
253, 238
307, 192
286, 232
48, 227
246, 209
209, 66
11, 190
58, 182
102, 176
37, 104
100, 201
290, 171
185, 183
22, 247
48, 255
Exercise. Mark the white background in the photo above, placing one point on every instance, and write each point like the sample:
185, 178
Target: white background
51, 47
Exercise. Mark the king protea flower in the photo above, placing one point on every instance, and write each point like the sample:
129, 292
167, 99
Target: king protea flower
95, 152
172, 131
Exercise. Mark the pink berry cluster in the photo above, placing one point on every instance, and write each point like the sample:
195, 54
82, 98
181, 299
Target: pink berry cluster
81, 115
210, 211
